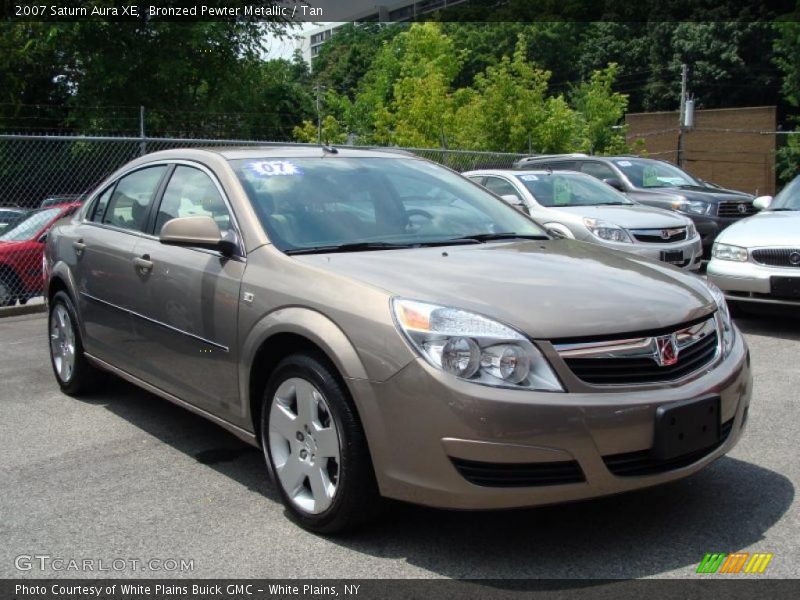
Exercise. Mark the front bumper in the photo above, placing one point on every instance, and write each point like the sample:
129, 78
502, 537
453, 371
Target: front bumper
421, 422
749, 281
692, 251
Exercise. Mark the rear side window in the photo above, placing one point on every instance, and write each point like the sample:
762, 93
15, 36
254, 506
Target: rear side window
599, 170
99, 209
130, 202
192, 193
563, 165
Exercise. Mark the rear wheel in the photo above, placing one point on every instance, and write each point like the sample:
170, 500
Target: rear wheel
314, 442
8, 288
74, 373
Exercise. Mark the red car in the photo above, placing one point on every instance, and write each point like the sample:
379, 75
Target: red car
21, 249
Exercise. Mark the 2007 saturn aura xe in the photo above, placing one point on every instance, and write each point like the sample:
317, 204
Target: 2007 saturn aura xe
382, 326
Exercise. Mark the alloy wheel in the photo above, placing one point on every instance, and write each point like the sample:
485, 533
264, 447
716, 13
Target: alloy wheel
304, 444
62, 342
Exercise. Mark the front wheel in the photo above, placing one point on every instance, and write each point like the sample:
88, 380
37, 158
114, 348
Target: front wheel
314, 442
74, 373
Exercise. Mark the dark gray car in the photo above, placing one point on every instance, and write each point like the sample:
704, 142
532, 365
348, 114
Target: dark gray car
660, 184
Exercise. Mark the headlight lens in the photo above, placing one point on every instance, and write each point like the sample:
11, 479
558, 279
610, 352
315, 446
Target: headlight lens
691, 231
723, 318
473, 347
692, 207
728, 252
607, 231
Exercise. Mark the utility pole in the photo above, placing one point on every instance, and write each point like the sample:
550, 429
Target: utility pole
143, 143
684, 77
318, 89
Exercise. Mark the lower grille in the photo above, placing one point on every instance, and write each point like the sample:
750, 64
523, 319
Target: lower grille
614, 371
736, 210
632, 464
659, 236
519, 474
777, 257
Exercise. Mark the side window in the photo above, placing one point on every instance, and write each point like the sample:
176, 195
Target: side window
563, 165
599, 170
97, 211
131, 200
501, 187
477, 179
192, 193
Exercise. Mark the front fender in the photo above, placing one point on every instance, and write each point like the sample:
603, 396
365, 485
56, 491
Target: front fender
309, 324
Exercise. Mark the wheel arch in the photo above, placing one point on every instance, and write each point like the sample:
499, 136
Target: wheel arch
284, 332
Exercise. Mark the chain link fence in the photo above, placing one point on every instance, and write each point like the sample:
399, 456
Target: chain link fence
44, 178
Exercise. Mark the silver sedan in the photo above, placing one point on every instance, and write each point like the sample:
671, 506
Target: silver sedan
757, 260
577, 206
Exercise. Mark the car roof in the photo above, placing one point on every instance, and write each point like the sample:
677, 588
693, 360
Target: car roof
289, 151
518, 172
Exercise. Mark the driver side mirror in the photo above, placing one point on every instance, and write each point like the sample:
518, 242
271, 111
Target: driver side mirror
762, 202
515, 202
42, 238
615, 183
198, 232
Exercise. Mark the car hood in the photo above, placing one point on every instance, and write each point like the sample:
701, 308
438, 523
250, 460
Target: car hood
764, 229
636, 216
548, 289
700, 193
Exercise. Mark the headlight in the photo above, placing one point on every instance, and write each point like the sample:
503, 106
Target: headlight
723, 318
473, 347
691, 231
607, 231
692, 207
728, 252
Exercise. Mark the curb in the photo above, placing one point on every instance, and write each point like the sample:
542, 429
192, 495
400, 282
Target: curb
25, 309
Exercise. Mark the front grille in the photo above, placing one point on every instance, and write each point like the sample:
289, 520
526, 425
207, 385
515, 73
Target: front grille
632, 464
656, 236
519, 474
633, 370
732, 210
777, 257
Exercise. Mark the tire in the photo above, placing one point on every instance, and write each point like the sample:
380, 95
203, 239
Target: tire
8, 287
315, 447
66, 346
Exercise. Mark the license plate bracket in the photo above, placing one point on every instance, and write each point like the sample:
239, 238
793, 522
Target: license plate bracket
674, 257
685, 427
785, 287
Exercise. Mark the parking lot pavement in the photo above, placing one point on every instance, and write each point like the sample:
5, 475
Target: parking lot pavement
124, 474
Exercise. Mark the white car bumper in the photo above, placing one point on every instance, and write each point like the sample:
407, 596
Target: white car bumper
750, 282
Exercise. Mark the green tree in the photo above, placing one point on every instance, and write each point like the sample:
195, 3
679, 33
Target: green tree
601, 109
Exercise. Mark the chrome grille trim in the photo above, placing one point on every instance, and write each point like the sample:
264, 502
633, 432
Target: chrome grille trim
636, 361
657, 235
730, 209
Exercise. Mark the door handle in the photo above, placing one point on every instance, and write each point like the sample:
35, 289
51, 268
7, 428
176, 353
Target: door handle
143, 264
79, 247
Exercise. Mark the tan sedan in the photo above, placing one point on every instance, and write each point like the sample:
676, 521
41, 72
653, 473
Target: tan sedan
382, 326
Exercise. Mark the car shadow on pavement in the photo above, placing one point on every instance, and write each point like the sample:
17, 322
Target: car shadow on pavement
726, 507
776, 322
191, 434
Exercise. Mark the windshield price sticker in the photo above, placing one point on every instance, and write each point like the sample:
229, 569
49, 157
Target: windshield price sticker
529, 178
272, 168
624, 163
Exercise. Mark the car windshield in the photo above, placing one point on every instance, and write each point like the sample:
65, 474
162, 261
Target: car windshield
644, 173
788, 198
30, 225
562, 189
344, 203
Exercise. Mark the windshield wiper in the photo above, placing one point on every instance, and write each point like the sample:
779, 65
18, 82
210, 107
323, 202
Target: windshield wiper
349, 247
780, 209
488, 237
611, 204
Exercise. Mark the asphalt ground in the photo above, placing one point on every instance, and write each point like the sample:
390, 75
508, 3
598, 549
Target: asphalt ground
124, 475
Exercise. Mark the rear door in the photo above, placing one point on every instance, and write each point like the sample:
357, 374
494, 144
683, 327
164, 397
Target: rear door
102, 251
186, 300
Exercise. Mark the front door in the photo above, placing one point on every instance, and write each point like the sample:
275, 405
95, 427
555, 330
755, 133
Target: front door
187, 302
